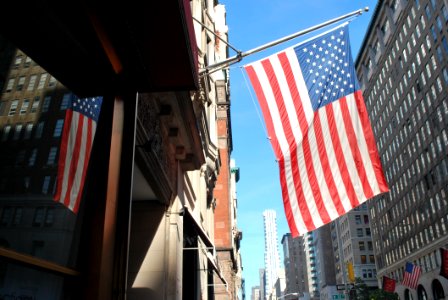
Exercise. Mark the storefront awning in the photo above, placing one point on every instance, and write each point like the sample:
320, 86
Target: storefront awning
212, 260
188, 216
210, 246
103, 47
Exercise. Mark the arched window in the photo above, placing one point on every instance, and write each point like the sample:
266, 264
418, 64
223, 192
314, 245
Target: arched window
437, 290
421, 293
408, 295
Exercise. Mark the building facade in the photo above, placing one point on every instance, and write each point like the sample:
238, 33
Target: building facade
402, 67
145, 227
227, 235
352, 244
255, 293
295, 264
310, 255
262, 275
325, 264
271, 254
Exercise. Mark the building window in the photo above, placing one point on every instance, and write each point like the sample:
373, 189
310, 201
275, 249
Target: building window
46, 185
20, 83
58, 128
358, 219
17, 132
35, 105
359, 232
39, 130
428, 12
6, 216
6, 131
52, 155
49, 217
17, 218
39, 215
25, 105
27, 62
20, 158
65, 101
362, 246
17, 61
46, 104
10, 85
363, 259
52, 81
13, 108
28, 130
42, 81
32, 158
32, 83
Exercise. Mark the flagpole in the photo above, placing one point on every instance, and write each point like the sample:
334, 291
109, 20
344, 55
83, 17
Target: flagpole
240, 55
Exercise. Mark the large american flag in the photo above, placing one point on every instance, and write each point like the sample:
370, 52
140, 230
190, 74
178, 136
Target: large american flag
319, 129
411, 275
76, 144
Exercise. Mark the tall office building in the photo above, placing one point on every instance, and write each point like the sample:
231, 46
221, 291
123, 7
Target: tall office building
295, 264
255, 293
262, 275
271, 254
310, 255
403, 71
352, 244
325, 263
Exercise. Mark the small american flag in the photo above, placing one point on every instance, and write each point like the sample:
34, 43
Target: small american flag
411, 275
76, 144
319, 129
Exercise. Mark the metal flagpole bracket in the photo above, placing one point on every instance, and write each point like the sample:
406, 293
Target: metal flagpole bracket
240, 55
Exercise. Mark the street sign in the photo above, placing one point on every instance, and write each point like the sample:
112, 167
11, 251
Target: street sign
341, 287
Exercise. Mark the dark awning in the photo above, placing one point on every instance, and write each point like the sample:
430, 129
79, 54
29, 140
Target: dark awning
188, 217
103, 47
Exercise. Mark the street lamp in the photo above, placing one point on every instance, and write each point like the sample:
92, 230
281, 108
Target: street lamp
287, 295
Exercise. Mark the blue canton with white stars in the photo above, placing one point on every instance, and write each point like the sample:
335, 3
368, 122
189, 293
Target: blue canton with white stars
89, 107
327, 67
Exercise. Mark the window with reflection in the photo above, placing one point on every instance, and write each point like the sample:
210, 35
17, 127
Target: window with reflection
32, 224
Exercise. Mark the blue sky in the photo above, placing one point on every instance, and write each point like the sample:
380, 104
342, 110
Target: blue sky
251, 24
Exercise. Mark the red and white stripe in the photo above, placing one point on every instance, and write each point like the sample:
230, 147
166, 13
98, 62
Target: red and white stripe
328, 159
76, 145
